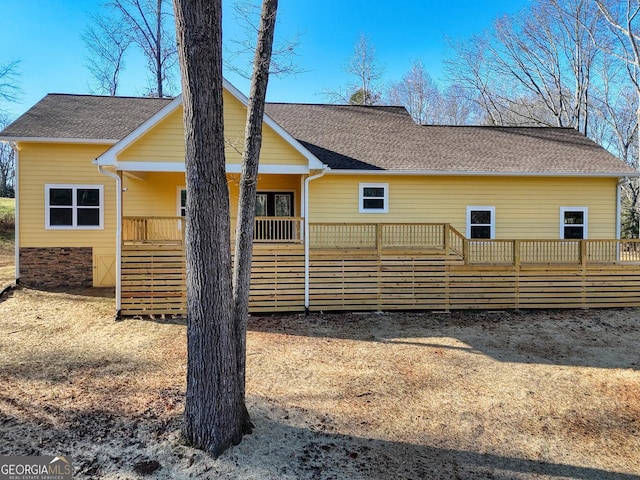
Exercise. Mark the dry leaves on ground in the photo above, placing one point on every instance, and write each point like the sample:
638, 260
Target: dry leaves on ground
524, 395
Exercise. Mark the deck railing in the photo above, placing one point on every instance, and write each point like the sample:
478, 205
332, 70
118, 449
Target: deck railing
396, 236
278, 229
152, 229
551, 252
159, 229
390, 236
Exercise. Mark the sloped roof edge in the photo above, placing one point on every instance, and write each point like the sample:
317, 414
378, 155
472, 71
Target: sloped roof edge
109, 158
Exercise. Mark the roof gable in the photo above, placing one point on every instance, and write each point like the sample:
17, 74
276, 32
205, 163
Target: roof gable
127, 144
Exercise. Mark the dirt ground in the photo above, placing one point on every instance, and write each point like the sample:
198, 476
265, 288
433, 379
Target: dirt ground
503, 395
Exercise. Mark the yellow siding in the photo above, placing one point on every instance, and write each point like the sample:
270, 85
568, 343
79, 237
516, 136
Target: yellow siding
157, 195
41, 164
165, 141
526, 207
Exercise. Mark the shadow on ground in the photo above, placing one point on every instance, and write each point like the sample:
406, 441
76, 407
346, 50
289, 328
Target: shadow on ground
605, 338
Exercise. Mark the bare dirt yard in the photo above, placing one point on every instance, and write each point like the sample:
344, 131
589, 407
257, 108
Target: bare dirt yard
506, 395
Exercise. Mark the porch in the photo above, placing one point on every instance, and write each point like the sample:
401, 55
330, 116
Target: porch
386, 266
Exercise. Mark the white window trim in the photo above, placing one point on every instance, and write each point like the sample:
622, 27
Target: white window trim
179, 190
492, 225
585, 225
74, 187
385, 199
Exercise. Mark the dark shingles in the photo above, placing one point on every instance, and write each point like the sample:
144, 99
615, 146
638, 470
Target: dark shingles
366, 138
349, 137
84, 117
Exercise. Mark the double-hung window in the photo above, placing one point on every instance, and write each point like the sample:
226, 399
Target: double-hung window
573, 222
182, 202
481, 222
374, 198
78, 207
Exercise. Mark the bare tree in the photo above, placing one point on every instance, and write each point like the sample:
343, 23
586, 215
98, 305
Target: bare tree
364, 90
240, 51
248, 186
107, 40
215, 411
7, 164
622, 19
419, 94
535, 68
148, 24
9, 89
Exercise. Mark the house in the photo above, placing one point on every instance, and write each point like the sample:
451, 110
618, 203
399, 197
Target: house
101, 187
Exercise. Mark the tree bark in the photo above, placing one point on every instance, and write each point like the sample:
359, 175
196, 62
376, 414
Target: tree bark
248, 187
212, 417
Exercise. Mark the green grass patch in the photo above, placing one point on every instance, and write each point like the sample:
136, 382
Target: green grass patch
7, 216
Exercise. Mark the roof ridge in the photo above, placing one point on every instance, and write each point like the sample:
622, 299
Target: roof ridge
93, 95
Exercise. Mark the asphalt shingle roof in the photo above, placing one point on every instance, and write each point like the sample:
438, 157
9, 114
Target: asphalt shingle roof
84, 117
386, 138
350, 137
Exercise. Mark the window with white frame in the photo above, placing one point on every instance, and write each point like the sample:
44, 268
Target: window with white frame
74, 207
374, 198
182, 202
573, 222
481, 222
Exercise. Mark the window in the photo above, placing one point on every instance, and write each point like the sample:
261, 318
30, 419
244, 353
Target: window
481, 222
374, 198
573, 222
74, 207
182, 202
274, 204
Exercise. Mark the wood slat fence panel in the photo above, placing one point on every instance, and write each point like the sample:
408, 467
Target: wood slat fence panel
418, 273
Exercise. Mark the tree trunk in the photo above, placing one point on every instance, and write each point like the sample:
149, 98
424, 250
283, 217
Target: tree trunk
212, 418
159, 48
248, 186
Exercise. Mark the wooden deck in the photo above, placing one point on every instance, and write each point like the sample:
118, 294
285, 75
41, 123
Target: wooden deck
387, 267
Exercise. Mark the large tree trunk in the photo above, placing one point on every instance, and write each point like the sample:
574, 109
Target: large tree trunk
248, 186
212, 417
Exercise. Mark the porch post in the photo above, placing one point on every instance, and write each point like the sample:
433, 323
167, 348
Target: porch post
306, 236
118, 180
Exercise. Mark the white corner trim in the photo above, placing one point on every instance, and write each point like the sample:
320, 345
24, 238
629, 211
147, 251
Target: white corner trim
230, 168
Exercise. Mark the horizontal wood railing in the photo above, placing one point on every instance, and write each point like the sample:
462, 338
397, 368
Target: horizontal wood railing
147, 229
551, 252
385, 236
158, 229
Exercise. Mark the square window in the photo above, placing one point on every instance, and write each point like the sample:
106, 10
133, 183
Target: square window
374, 198
74, 207
61, 196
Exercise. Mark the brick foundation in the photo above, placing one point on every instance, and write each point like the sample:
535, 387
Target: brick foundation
56, 267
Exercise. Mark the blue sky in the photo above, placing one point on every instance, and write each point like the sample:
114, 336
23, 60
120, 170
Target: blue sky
45, 35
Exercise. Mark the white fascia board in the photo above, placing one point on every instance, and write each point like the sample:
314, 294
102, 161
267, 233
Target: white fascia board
110, 156
150, 166
480, 174
272, 169
314, 162
231, 168
96, 141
